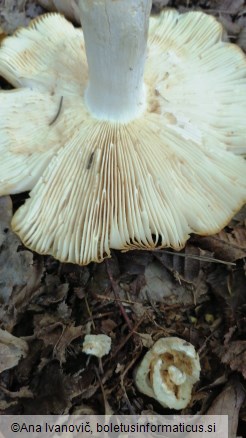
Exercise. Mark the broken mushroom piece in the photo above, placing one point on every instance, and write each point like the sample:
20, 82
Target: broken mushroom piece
168, 372
133, 145
97, 345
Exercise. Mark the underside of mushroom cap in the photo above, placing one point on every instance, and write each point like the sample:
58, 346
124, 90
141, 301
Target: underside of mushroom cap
48, 56
27, 148
127, 187
153, 181
30, 135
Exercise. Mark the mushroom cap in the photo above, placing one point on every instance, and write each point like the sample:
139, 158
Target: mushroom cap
97, 345
28, 142
145, 184
168, 372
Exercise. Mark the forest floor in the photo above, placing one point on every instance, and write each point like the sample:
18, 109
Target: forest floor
135, 298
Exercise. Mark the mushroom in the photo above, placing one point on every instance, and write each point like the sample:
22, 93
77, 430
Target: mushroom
97, 345
133, 145
168, 372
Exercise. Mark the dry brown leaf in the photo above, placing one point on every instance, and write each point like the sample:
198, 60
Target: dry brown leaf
185, 265
12, 349
17, 13
174, 279
230, 286
146, 339
226, 246
56, 333
53, 391
241, 41
69, 9
19, 276
158, 5
231, 7
69, 334
24, 392
53, 291
159, 286
4, 405
229, 402
230, 27
234, 355
108, 325
5, 217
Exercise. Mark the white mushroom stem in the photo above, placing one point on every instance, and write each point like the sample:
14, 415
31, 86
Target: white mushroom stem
115, 35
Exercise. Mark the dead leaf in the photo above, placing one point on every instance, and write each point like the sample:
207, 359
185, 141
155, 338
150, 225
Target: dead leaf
69, 334
231, 7
14, 14
234, 355
108, 325
56, 333
229, 402
226, 246
161, 286
53, 391
24, 392
241, 41
230, 27
19, 276
12, 349
5, 217
158, 5
146, 339
4, 406
231, 287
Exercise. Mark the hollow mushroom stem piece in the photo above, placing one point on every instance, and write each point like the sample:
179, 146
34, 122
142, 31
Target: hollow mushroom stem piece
168, 372
115, 41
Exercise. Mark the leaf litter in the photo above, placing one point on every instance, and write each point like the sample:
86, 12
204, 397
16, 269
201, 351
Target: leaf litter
47, 308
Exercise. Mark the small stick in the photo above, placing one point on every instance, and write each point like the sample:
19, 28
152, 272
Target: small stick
115, 289
90, 161
58, 112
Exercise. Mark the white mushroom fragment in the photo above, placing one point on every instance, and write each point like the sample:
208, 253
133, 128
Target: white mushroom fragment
168, 372
97, 345
133, 145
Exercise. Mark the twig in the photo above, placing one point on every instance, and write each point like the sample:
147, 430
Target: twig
133, 331
89, 312
192, 256
107, 407
115, 288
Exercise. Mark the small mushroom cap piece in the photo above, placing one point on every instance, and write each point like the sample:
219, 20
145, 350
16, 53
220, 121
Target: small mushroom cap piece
99, 183
97, 345
168, 371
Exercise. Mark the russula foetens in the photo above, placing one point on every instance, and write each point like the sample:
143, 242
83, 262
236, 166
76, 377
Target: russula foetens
133, 144
97, 345
168, 372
